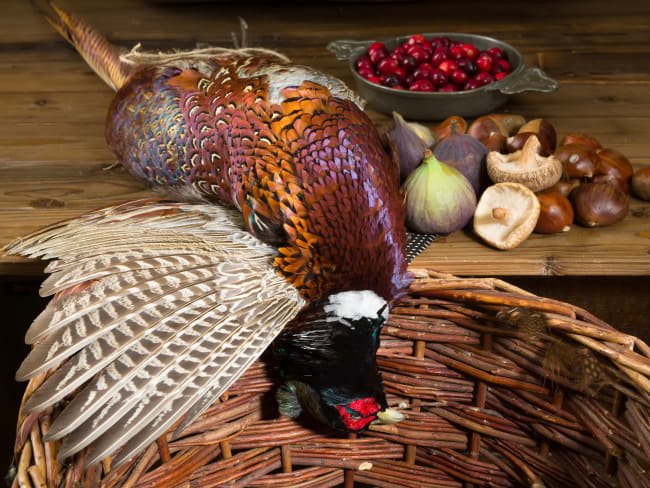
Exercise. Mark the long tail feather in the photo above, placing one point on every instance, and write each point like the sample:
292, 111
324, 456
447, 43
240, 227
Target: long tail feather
102, 56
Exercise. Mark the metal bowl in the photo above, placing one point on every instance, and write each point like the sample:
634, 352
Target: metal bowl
435, 105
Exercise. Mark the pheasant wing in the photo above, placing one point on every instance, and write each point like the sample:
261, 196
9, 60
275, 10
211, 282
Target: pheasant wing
159, 307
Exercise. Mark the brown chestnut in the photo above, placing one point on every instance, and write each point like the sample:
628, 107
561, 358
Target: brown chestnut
516, 142
578, 161
565, 187
443, 129
556, 213
496, 142
599, 204
544, 130
641, 184
612, 180
612, 162
583, 139
484, 127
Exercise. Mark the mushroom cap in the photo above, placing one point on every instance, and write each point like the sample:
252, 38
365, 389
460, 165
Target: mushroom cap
525, 166
506, 214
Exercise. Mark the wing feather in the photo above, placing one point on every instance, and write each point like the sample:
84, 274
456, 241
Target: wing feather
159, 308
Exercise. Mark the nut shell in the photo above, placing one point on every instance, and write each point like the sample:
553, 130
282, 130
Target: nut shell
599, 204
578, 161
544, 130
641, 184
613, 162
556, 213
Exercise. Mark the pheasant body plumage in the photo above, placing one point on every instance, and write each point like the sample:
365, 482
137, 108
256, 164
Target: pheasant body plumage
306, 169
160, 306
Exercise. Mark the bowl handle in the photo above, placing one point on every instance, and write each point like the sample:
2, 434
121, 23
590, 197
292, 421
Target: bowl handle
530, 79
345, 48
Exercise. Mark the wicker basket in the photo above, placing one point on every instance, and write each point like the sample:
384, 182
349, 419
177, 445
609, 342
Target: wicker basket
501, 388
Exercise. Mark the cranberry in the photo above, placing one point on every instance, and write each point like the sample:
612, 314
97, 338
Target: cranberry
455, 44
440, 41
391, 79
398, 49
438, 77
426, 44
419, 54
456, 52
367, 73
399, 56
450, 87
377, 55
408, 81
421, 85
364, 62
472, 84
423, 72
470, 50
376, 45
409, 63
468, 66
400, 73
501, 75
503, 65
387, 65
415, 39
484, 62
397, 87
459, 77
484, 78
448, 66
439, 56
373, 79
496, 52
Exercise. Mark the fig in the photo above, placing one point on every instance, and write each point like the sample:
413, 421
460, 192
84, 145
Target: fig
466, 154
411, 140
439, 199
599, 204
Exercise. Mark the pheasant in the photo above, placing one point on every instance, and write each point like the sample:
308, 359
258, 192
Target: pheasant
286, 227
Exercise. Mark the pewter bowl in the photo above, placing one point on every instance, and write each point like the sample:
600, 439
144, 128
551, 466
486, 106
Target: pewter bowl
438, 106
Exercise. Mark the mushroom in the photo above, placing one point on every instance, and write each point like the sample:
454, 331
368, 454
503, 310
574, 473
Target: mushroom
525, 166
506, 215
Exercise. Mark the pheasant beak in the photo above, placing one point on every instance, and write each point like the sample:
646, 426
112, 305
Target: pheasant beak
390, 416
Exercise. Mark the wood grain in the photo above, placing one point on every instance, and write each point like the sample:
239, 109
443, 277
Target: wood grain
53, 154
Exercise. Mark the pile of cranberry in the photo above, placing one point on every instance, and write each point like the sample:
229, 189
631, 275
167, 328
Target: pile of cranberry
439, 64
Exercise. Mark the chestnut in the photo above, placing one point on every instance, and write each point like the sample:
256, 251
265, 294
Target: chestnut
516, 142
641, 184
486, 125
565, 187
583, 139
443, 129
599, 204
578, 161
544, 130
612, 180
612, 162
556, 212
496, 142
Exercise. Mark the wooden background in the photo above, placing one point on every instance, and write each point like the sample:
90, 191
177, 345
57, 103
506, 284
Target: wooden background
54, 162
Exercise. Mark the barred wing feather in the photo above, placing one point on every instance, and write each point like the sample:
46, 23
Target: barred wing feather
159, 307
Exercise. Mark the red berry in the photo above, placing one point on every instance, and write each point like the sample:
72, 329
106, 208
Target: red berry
501, 75
364, 62
387, 65
376, 45
484, 62
397, 87
367, 73
377, 55
419, 54
468, 66
400, 73
373, 79
450, 87
484, 78
439, 77
470, 50
496, 52
439, 55
398, 49
421, 85
504, 65
459, 77
440, 41
399, 56
390, 79
416, 39
423, 72
408, 81
448, 66
472, 84
409, 63
456, 52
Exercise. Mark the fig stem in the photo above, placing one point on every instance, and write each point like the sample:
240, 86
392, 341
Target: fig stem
500, 213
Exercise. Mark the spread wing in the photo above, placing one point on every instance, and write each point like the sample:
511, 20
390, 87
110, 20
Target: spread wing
159, 307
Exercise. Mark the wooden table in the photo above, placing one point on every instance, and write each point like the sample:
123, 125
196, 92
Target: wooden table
54, 162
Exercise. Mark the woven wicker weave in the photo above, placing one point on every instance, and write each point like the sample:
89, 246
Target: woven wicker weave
501, 388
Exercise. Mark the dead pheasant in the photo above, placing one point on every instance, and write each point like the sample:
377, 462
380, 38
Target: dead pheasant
291, 228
